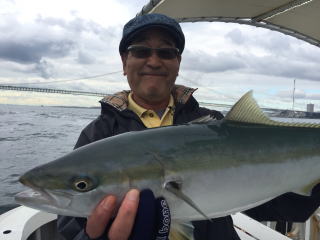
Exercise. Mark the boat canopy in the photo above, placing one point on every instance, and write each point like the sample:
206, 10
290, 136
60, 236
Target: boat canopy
298, 18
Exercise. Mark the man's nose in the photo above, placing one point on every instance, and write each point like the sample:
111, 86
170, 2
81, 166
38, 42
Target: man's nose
154, 60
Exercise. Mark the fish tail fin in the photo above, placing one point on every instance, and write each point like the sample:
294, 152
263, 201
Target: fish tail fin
181, 231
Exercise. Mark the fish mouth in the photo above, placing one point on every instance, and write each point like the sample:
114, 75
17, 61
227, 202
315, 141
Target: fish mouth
39, 196
42, 199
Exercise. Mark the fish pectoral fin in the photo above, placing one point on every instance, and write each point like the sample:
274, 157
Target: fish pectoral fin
307, 190
175, 188
204, 119
181, 231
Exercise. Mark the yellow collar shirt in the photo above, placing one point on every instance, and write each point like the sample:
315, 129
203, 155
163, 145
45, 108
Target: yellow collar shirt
149, 117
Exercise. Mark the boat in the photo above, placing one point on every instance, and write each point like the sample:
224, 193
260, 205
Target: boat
298, 18
24, 223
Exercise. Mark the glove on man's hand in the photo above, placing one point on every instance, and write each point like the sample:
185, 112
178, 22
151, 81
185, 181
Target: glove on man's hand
315, 193
153, 218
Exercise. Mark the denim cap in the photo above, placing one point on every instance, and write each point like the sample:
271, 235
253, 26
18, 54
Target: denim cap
141, 23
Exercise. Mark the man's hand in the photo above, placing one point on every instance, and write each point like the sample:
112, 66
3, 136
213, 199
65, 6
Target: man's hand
122, 224
140, 217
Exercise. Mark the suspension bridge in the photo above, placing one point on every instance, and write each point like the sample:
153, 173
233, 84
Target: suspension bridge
51, 90
83, 93
97, 94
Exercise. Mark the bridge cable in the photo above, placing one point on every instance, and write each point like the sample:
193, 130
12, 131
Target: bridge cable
67, 80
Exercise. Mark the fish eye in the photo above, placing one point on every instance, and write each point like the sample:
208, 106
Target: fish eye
83, 184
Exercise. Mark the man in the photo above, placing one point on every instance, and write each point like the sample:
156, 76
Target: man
150, 50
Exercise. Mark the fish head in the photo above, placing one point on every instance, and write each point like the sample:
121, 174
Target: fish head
70, 190
74, 184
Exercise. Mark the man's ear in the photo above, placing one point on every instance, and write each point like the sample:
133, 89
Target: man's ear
124, 58
179, 59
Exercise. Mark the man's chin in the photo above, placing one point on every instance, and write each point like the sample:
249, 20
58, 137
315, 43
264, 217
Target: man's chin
155, 96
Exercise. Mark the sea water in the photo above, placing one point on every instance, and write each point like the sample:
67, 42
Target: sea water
33, 135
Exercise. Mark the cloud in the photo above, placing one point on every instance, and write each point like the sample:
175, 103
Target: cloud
47, 37
27, 52
232, 48
289, 94
283, 67
203, 62
299, 94
236, 36
276, 54
292, 61
250, 64
76, 26
45, 69
29, 42
85, 58
257, 37
314, 96
50, 46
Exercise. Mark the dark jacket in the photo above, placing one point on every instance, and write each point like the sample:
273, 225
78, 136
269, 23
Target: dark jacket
115, 118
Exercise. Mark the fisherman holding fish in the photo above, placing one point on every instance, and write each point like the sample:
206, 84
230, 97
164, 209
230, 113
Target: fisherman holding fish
151, 49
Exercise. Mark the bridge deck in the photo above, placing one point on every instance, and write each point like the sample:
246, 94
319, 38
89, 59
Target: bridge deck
51, 90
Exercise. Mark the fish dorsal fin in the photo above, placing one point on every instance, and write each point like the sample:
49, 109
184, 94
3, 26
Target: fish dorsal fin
248, 111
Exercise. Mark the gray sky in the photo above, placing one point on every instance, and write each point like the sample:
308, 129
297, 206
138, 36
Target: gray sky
45, 41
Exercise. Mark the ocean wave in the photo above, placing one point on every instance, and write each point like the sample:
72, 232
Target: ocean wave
9, 139
26, 124
13, 181
14, 175
46, 135
11, 112
47, 115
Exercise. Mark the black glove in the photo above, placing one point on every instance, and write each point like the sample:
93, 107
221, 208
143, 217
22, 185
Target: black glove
315, 193
153, 218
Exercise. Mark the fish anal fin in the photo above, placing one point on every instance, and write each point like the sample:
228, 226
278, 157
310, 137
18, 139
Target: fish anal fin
175, 186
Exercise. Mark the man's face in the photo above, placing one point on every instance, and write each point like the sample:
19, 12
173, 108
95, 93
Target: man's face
151, 79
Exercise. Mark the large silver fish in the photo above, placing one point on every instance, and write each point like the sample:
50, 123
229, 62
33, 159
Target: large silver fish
205, 169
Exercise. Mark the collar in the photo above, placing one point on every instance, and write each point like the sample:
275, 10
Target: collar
132, 105
120, 100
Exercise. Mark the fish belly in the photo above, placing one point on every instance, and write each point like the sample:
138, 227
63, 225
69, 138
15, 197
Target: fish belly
225, 191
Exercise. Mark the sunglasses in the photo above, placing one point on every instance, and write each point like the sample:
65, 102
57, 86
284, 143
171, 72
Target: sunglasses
146, 52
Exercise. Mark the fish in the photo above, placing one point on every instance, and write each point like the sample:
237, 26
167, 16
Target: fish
205, 169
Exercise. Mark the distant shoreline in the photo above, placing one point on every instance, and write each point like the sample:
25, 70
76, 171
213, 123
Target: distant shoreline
295, 114
74, 107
